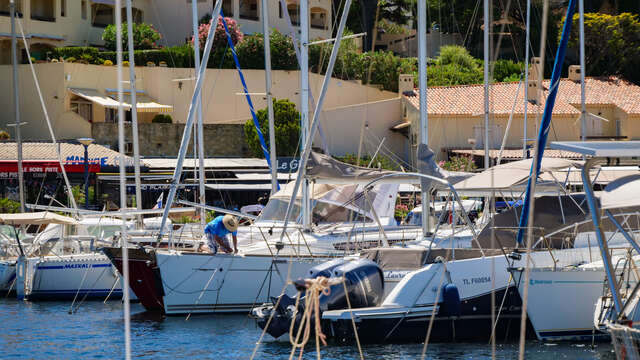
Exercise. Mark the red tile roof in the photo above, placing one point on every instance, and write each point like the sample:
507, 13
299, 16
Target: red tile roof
468, 100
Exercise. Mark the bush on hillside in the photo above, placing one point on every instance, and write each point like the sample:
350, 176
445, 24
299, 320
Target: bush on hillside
145, 36
162, 119
220, 37
287, 126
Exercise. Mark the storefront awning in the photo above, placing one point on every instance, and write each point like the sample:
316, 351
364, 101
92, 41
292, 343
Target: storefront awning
95, 97
143, 102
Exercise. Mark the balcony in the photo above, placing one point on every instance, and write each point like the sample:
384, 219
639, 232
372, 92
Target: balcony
249, 10
102, 15
5, 11
43, 10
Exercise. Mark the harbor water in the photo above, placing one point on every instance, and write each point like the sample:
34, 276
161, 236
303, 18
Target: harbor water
46, 330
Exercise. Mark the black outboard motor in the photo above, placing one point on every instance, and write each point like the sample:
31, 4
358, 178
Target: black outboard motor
365, 286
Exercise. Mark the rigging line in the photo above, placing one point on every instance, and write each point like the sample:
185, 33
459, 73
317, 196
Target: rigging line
471, 26
284, 287
46, 116
162, 31
390, 152
433, 310
248, 97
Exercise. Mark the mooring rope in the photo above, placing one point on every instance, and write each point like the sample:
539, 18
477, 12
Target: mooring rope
314, 288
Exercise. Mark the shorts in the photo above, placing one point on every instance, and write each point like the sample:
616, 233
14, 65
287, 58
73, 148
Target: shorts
213, 244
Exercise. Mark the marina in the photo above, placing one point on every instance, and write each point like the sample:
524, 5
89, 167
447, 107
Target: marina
95, 332
319, 179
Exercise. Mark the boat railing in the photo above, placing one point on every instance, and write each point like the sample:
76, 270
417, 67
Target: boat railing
543, 241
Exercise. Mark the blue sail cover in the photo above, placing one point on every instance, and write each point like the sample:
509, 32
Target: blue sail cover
546, 116
263, 144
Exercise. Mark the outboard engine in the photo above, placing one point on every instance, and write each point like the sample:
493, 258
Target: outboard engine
365, 287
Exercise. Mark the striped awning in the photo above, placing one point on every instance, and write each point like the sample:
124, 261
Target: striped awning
143, 102
95, 97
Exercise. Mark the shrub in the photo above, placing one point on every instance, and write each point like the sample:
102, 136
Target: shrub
4, 135
453, 54
70, 59
251, 52
124, 63
75, 52
380, 161
145, 36
9, 206
220, 37
162, 119
107, 63
459, 163
287, 127
507, 70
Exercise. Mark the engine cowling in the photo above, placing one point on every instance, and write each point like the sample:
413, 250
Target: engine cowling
364, 284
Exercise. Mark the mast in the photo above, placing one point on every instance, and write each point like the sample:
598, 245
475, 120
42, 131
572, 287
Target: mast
304, 106
583, 108
422, 88
267, 79
526, 79
188, 127
16, 102
200, 128
486, 83
134, 109
123, 190
315, 121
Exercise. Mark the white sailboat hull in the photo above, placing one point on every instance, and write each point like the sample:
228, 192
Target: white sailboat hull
206, 283
561, 303
67, 276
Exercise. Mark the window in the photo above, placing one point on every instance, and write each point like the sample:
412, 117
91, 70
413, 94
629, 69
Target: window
83, 10
618, 127
102, 15
63, 8
294, 13
318, 18
495, 136
249, 9
128, 148
83, 108
43, 10
135, 13
227, 8
110, 115
5, 11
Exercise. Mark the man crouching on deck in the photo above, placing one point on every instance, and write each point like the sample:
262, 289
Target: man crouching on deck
217, 231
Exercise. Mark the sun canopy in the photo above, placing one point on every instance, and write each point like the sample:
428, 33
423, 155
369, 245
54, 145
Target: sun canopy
36, 218
143, 102
510, 175
623, 192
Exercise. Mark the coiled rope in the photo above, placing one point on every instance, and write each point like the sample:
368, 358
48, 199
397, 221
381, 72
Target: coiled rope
313, 289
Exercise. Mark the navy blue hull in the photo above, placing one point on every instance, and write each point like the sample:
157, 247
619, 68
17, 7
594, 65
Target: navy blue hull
473, 324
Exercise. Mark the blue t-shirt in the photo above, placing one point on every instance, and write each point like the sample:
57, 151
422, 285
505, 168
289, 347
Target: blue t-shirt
216, 227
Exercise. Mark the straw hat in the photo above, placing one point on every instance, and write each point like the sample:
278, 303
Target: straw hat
230, 222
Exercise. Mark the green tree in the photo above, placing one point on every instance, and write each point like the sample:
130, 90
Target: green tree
612, 44
287, 127
145, 36
9, 206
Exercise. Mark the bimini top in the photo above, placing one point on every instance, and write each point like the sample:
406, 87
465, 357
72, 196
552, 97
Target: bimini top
36, 218
600, 148
512, 175
623, 192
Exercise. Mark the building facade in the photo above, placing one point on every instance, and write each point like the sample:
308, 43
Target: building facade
54, 23
174, 21
456, 114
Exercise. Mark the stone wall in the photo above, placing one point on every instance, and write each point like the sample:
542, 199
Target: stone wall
164, 139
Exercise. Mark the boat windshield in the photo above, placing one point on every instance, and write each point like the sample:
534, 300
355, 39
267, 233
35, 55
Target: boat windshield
10, 232
345, 203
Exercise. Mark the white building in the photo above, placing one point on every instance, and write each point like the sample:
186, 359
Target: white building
173, 17
54, 23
